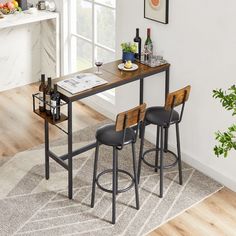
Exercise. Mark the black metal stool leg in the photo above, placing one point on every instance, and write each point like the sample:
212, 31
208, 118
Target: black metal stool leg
166, 139
94, 174
116, 175
114, 180
179, 154
161, 164
141, 150
157, 147
135, 176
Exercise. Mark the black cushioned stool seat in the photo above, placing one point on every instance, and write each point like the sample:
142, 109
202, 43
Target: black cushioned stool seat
108, 135
160, 116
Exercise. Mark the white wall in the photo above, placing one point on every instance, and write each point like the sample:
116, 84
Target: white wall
200, 44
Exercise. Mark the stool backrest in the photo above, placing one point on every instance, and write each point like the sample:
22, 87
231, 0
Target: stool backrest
130, 118
177, 98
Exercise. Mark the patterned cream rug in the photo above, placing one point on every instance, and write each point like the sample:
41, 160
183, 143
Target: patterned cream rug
30, 205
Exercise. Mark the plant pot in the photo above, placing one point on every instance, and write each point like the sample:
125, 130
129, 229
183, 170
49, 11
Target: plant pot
128, 56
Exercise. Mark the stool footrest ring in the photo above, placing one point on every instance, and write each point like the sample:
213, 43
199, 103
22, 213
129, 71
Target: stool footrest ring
158, 166
119, 190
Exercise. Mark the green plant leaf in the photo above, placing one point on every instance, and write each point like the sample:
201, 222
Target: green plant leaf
226, 140
129, 47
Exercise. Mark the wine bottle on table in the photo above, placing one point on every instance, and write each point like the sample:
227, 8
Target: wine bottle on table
42, 88
148, 42
138, 42
48, 92
55, 104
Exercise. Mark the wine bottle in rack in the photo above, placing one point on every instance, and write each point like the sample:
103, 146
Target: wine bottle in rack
148, 42
48, 92
42, 88
55, 104
138, 42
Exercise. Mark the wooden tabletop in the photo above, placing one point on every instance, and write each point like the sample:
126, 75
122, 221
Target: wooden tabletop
113, 76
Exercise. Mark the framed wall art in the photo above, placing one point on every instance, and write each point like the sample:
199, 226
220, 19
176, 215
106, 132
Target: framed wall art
156, 10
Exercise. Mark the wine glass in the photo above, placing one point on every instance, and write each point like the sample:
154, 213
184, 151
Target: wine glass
98, 63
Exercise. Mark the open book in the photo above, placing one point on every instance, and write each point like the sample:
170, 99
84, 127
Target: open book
81, 82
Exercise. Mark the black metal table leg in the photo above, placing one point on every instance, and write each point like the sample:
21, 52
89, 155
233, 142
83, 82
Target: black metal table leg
46, 149
141, 92
70, 161
141, 85
167, 85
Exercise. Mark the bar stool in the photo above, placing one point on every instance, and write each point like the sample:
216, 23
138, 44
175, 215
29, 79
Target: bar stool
163, 117
123, 132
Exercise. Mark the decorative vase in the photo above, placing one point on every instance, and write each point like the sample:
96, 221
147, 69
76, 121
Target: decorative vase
128, 56
50, 5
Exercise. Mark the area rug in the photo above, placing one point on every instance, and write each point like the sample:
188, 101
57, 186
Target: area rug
30, 205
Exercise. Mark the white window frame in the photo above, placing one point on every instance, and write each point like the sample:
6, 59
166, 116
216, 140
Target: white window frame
104, 102
72, 56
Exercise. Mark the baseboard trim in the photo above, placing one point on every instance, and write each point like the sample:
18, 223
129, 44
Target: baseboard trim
190, 160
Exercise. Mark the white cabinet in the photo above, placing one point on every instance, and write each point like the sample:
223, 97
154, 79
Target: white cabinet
29, 46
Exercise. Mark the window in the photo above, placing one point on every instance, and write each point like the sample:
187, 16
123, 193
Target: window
92, 32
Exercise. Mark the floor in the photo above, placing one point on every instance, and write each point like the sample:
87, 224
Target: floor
21, 129
214, 216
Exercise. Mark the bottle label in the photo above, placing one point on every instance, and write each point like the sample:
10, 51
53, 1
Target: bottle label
150, 48
137, 47
41, 99
48, 99
53, 108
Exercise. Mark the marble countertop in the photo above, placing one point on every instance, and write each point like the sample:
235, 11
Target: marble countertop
22, 18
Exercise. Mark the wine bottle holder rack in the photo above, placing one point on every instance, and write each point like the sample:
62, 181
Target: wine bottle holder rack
43, 115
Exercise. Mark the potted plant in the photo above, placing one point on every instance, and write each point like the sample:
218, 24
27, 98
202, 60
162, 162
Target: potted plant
227, 139
128, 50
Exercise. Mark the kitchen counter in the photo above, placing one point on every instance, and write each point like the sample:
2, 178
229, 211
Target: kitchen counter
29, 46
21, 18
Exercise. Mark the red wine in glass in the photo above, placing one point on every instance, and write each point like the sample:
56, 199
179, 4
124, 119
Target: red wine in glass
98, 64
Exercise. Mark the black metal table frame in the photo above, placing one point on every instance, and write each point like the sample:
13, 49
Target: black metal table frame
71, 153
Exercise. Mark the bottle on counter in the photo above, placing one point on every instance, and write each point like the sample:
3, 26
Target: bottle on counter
42, 88
23, 4
48, 93
41, 5
148, 43
55, 102
138, 42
